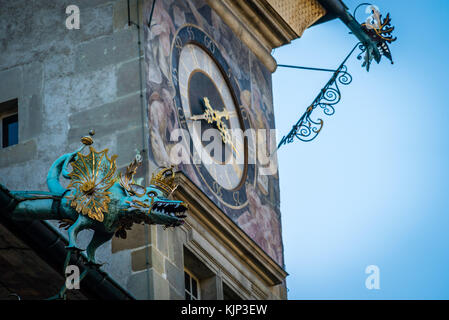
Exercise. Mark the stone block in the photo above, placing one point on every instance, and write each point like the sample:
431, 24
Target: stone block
140, 257
128, 77
211, 288
135, 238
175, 276
79, 92
122, 114
30, 117
176, 247
127, 143
33, 78
17, 153
107, 50
139, 285
149, 285
121, 13
160, 286
175, 295
11, 84
94, 22
162, 240
60, 65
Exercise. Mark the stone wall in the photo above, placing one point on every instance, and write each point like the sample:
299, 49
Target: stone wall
68, 82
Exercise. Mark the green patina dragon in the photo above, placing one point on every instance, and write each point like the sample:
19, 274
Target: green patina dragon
97, 198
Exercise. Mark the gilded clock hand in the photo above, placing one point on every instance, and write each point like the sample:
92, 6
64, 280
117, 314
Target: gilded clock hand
222, 127
211, 115
225, 135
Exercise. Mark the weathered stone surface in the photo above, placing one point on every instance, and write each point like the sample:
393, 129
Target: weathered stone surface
135, 238
32, 78
60, 65
94, 22
30, 117
128, 77
107, 119
139, 285
211, 288
10, 84
39, 30
176, 247
17, 153
127, 143
160, 286
162, 240
140, 256
107, 50
175, 295
149, 285
121, 13
175, 276
80, 91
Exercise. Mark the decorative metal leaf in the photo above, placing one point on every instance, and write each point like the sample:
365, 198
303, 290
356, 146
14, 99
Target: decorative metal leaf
92, 175
126, 180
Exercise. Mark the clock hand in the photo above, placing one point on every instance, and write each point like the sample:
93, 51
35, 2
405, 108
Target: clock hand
218, 114
199, 117
225, 135
211, 115
226, 114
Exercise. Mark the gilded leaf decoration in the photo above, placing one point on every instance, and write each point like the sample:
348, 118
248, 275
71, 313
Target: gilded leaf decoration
91, 177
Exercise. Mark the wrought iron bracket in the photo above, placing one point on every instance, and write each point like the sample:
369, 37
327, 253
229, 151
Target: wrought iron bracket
373, 37
306, 128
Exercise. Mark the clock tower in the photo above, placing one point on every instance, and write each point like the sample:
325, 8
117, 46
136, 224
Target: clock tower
185, 84
208, 68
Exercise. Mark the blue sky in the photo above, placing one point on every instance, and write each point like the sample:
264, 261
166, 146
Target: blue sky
372, 189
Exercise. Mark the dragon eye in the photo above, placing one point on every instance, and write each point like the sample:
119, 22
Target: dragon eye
152, 194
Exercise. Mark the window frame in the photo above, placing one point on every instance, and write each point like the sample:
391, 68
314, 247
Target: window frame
7, 120
192, 278
8, 109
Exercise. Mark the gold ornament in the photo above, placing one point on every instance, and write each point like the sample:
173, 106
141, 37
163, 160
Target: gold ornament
92, 175
165, 180
126, 180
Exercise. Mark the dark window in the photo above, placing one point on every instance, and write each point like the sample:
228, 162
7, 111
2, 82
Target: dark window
10, 130
9, 123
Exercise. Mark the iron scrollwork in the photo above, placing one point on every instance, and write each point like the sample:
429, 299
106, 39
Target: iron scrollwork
376, 34
307, 128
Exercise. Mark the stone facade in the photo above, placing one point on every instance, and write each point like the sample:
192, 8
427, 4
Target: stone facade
68, 82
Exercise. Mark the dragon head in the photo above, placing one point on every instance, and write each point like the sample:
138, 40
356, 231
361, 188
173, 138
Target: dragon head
154, 207
151, 205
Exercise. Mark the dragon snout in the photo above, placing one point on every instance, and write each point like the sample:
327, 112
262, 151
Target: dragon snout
172, 212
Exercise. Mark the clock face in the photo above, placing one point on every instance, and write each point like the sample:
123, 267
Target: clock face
202, 79
207, 101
